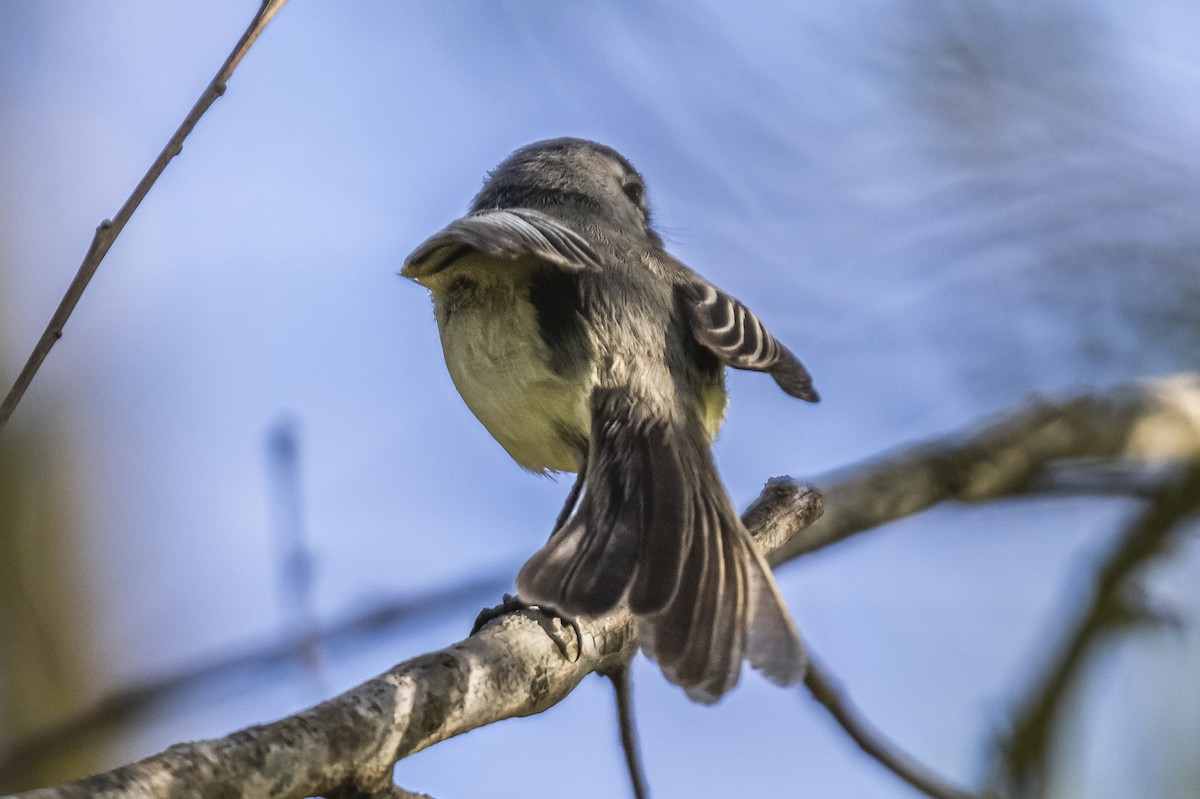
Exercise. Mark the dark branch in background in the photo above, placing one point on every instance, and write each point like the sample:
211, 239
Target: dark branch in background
295, 559
824, 689
109, 229
623, 692
344, 634
523, 663
1113, 608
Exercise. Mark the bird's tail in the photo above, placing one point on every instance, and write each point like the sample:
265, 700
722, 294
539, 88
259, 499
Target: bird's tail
655, 528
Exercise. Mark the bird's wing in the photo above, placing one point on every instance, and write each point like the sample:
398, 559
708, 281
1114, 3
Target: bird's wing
734, 334
510, 234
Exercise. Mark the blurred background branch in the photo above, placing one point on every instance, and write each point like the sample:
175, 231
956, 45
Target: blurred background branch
295, 558
1116, 605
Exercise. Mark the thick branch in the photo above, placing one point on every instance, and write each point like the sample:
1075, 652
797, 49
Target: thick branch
510, 668
1153, 420
108, 230
513, 668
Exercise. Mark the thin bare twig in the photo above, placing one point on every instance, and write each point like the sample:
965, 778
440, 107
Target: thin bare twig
109, 229
1027, 747
824, 688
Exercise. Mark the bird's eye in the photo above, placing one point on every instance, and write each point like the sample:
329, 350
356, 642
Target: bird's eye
635, 192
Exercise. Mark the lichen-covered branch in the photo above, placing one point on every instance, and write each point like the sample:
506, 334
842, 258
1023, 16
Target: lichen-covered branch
523, 663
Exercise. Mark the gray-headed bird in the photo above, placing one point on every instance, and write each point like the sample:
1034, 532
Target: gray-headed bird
583, 346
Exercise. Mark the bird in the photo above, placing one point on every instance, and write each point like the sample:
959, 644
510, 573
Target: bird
583, 346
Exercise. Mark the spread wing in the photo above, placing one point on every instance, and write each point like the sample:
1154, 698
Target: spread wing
734, 334
510, 233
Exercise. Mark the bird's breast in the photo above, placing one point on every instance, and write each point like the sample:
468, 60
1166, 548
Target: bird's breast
501, 366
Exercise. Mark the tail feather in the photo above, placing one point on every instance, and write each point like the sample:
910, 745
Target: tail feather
543, 578
728, 637
609, 519
704, 655
668, 529
682, 622
773, 645
586, 568
656, 527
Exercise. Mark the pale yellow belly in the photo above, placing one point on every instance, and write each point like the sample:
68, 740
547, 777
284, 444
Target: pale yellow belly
497, 359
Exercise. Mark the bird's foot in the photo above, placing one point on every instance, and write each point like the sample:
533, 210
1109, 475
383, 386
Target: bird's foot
543, 615
509, 604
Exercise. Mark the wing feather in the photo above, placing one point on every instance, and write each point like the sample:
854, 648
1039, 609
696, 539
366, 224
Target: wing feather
732, 332
509, 234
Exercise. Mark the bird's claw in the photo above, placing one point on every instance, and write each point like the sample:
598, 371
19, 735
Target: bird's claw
510, 604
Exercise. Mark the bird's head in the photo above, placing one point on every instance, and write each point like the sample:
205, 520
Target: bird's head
574, 179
